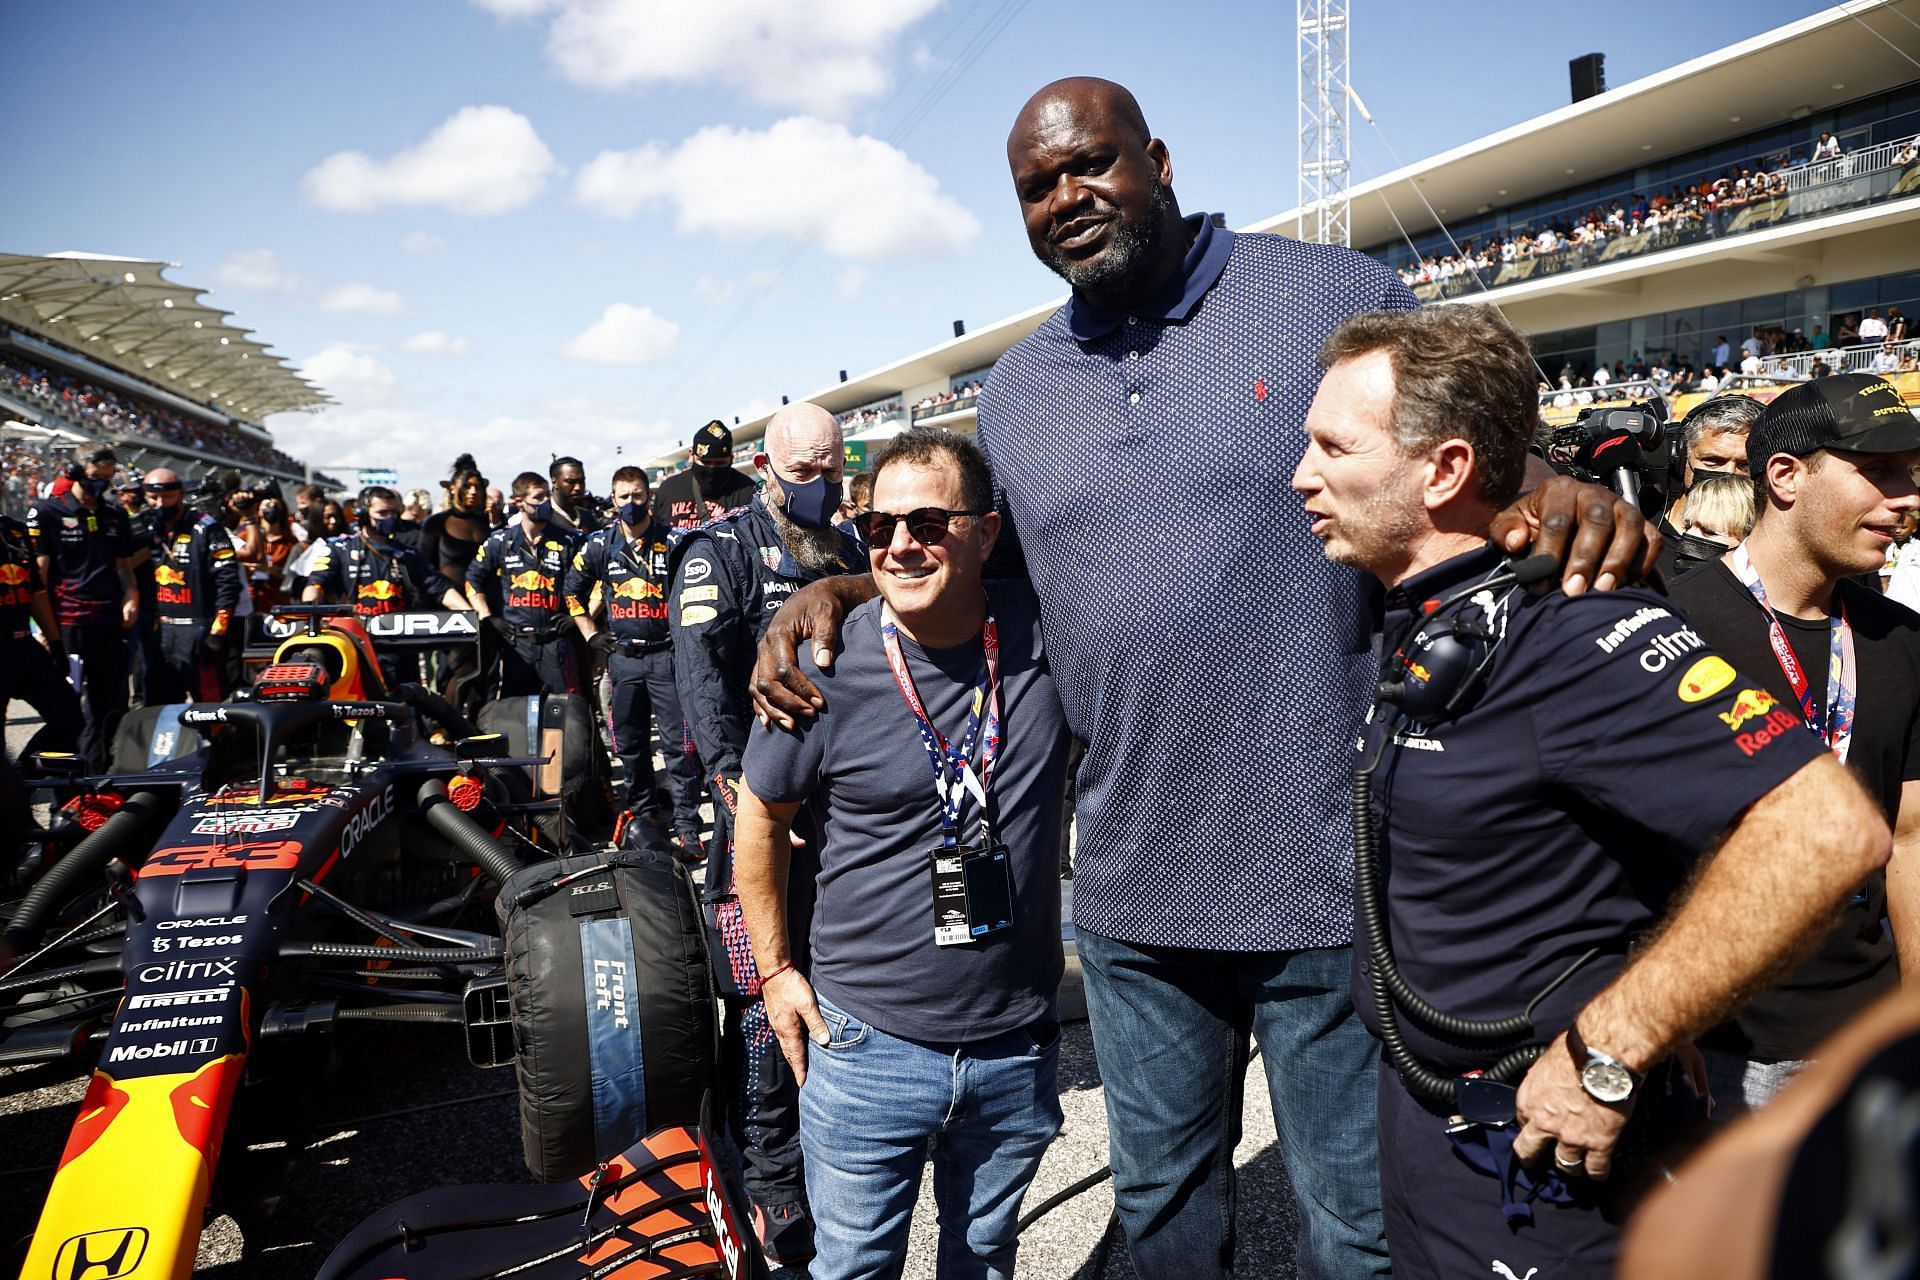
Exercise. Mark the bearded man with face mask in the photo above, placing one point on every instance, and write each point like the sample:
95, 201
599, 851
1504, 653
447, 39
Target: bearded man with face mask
726, 580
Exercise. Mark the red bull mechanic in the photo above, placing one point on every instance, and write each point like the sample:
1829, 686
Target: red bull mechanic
31, 670
85, 553
728, 579
626, 562
514, 583
376, 575
196, 590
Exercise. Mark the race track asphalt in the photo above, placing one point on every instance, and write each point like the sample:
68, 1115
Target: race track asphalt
400, 1111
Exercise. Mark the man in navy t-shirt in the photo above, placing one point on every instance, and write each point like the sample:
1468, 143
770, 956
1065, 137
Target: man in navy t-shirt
935, 782
1547, 774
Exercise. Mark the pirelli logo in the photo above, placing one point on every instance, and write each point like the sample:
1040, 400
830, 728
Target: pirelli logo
100, 1255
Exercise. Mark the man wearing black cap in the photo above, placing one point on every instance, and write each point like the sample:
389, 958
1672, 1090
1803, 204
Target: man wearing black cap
709, 487
84, 551
1833, 470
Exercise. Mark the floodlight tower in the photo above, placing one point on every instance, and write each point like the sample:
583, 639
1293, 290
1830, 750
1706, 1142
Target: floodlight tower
1324, 143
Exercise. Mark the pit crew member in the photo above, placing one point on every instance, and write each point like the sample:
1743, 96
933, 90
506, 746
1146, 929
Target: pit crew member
514, 583
196, 580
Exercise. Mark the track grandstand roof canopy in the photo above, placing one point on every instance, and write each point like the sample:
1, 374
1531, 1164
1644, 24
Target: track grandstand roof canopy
125, 313
1812, 65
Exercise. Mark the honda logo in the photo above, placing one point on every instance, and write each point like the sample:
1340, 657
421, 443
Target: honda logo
101, 1255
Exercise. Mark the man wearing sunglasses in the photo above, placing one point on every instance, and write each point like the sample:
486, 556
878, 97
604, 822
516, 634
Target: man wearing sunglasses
937, 776
725, 580
196, 581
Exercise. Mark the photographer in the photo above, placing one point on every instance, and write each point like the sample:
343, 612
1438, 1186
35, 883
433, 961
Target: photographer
1544, 775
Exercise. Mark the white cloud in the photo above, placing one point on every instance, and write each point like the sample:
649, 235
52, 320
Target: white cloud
364, 300
254, 271
434, 342
352, 377
818, 55
624, 334
482, 161
852, 282
717, 293
422, 242
854, 196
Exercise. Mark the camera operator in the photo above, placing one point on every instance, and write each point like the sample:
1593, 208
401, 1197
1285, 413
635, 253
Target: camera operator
1833, 464
1713, 442
1541, 772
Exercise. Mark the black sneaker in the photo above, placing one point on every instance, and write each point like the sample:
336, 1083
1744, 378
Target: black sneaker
785, 1232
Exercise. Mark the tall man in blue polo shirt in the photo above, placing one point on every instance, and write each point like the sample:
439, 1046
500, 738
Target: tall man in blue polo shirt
1216, 679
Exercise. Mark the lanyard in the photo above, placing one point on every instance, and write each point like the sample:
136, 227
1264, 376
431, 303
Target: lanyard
954, 777
1837, 731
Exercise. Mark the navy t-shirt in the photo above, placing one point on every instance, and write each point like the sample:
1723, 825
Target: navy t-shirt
863, 771
1610, 749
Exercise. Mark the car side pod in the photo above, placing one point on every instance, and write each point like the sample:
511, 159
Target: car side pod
661, 1210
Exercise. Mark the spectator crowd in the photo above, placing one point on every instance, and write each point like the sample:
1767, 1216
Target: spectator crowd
102, 410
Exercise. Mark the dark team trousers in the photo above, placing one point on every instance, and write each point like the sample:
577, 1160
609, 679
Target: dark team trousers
764, 1119
185, 671
529, 666
106, 664
28, 672
1444, 1218
644, 694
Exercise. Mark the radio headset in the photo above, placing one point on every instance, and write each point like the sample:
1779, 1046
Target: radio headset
1431, 676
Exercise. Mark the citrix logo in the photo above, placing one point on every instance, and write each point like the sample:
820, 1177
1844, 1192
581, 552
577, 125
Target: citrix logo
187, 970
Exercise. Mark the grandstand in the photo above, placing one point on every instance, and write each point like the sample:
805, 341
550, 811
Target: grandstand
103, 348
1627, 232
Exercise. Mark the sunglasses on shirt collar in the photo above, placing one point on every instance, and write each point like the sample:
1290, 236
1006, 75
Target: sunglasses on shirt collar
928, 525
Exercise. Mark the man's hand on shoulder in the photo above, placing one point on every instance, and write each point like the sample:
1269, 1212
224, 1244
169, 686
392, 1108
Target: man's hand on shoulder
1601, 540
794, 1015
782, 694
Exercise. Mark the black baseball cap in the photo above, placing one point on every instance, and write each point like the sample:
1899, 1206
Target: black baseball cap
713, 441
1851, 412
103, 454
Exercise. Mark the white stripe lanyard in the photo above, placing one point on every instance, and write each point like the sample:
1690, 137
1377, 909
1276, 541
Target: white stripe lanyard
954, 777
1835, 728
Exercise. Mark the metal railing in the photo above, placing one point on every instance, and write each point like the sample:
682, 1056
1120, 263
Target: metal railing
959, 404
1859, 178
1839, 359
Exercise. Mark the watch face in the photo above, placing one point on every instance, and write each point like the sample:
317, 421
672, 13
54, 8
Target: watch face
1607, 1081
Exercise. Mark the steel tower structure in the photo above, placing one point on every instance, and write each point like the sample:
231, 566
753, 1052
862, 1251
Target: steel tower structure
1325, 146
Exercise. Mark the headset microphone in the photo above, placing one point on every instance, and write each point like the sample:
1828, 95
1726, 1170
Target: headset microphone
1444, 657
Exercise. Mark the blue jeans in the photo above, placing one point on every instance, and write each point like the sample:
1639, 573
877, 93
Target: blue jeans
870, 1107
1170, 1028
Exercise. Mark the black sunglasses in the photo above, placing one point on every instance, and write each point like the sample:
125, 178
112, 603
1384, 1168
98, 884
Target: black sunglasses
928, 525
175, 487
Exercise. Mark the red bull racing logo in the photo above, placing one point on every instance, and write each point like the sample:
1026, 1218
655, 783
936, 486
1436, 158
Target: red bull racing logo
1752, 704
637, 598
13, 575
379, 596
1747, 704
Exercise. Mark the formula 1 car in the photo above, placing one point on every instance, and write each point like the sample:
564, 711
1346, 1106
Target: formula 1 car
318, 849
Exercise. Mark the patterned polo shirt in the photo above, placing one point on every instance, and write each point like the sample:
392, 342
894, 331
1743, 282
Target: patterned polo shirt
1210, 656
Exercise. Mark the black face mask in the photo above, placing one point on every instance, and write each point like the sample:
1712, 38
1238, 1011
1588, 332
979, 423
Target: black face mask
708, 478
632, 514
1690, 551
385, 526
97, 486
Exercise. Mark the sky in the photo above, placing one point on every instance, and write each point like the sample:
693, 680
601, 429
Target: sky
528, 227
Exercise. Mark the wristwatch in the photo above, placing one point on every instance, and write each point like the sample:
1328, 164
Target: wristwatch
1605, 1078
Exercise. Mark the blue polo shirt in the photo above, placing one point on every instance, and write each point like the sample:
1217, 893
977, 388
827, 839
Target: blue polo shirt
1206, 651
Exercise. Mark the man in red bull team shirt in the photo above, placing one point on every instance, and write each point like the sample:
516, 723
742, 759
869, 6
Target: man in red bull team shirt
1833, 473
376, 575
514, 584
196, 589
627, 563
31, 670
1567, 862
